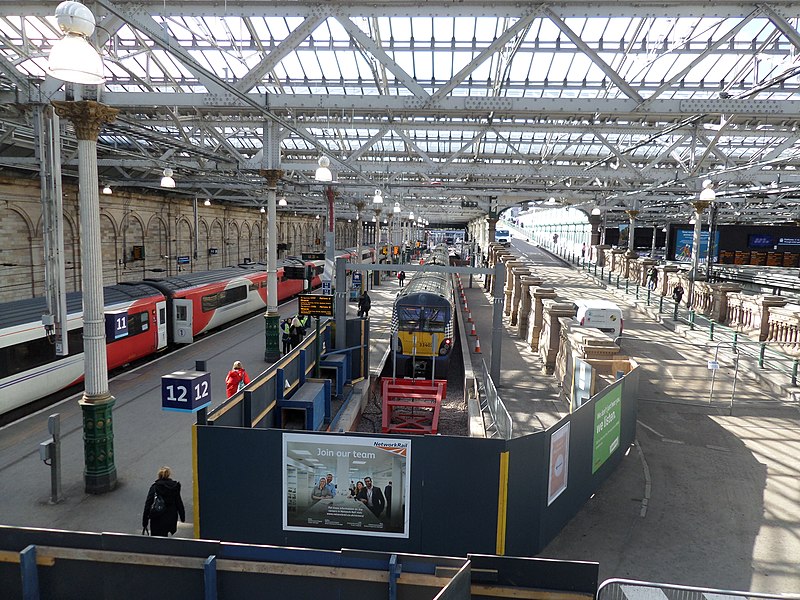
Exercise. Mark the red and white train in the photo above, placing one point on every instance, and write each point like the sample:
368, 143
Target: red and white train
142, 318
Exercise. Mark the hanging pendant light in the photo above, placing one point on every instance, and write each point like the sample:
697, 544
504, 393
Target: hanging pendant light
72, 58
167, 181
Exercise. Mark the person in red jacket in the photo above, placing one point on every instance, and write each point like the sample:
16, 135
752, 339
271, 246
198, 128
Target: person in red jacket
237, 378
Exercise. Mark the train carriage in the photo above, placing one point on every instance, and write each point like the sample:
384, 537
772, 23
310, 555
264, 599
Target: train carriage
422, 321
29, 366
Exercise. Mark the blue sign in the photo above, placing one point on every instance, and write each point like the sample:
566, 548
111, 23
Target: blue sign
185, 391
683, 245
357, 279
116, 325
789, 241
326, 287
760, 241
184, 260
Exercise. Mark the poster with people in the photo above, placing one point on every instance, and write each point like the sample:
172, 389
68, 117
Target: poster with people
346, 484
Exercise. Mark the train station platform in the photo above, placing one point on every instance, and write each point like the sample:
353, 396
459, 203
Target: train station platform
705, 497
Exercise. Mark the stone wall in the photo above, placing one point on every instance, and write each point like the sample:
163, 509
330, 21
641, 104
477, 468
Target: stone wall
159, 226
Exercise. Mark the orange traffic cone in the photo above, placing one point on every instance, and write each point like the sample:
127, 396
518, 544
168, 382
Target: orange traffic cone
469, 317
473, 332
477, 345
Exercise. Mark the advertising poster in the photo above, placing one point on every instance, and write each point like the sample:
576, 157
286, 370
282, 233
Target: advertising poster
683, 245
559, 460
346, 484
607, 418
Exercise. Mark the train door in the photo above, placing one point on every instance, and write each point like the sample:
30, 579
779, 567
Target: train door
161, 324
182, 321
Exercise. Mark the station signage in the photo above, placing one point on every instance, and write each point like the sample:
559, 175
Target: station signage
185, 391
315, 305
789, 241
116, 325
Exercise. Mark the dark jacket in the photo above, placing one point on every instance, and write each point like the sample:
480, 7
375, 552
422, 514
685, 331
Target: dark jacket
167, 521
378, 501
364, 303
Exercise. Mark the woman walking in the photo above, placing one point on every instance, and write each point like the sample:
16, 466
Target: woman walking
163, 505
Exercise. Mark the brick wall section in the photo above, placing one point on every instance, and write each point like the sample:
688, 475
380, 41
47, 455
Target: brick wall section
164, 225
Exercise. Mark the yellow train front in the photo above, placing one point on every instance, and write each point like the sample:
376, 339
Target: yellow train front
422, 323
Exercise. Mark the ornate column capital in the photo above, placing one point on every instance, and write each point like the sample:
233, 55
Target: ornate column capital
632, 214
273, 176
87, 116
700, 205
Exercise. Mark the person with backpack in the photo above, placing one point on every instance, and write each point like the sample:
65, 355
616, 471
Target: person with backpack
296, 331
163, 506
652, 278
677, 293
364, 304
401, 276
237, 378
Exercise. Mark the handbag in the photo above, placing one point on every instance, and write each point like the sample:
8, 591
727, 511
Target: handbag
158, 505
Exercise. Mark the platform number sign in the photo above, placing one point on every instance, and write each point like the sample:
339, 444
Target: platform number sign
185, 391
116, 325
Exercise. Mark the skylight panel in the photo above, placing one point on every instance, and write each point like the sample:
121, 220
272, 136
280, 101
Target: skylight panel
314, 65
423, 65
422, 28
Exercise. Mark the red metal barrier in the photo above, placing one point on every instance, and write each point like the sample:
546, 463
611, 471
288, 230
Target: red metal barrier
412, 405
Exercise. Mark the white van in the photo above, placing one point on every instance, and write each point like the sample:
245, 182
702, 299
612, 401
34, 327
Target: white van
602, 314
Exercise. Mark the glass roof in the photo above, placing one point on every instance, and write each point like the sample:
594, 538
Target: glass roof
590, 104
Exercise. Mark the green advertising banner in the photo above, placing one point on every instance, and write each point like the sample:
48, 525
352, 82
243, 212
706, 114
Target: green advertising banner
607, 417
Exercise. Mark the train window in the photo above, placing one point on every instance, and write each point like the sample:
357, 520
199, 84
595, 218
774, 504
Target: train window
253, 287
182, 314
162, 315
35, 353
208, 303
223, 298
138, 323
422, 318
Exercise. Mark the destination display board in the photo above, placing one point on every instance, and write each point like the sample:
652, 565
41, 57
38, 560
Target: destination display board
741, 258
726, 257
775, 259
790, 259
315, 305
758, 259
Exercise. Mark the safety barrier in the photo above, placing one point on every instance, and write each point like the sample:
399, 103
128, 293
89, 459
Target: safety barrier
501, 424
629, 589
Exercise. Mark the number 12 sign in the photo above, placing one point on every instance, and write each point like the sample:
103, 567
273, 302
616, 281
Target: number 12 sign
185, 391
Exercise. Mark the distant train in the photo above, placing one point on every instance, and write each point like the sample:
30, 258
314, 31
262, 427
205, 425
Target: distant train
142, 318
422, 321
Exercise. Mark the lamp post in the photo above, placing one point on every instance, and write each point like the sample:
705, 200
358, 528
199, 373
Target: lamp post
272, 349
73, 59
100, 474
704, 200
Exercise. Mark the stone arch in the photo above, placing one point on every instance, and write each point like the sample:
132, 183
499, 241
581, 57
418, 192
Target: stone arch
216, 242
233, 244
184, 244
132, 235
156, 246
247, 243
109, 244
18, 250
202, 245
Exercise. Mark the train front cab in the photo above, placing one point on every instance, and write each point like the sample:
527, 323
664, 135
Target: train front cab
418, 325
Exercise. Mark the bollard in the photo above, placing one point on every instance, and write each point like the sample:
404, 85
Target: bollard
627, 281
617, 283
763, 347
675, 312
794, 372
648, 296
660, 304
735, 339
711, 330
691, 319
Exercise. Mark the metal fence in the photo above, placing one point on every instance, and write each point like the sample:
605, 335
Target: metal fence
628, 589
764, 356
500, 421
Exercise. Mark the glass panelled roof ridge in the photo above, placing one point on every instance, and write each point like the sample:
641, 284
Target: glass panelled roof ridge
457, 109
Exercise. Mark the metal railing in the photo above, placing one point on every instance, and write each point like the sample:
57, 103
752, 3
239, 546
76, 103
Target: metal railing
501, 424
762, 355
629, 589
